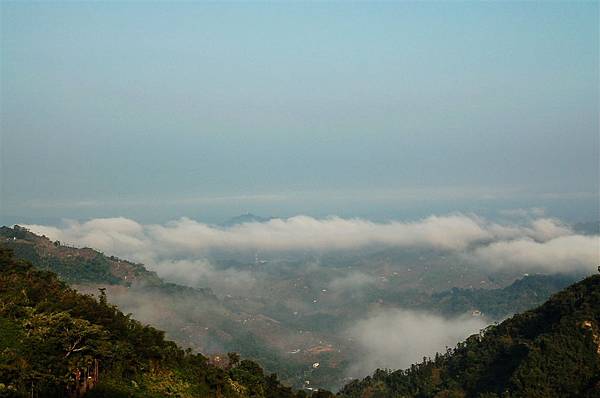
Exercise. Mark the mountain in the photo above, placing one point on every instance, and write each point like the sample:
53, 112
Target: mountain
494, 304
551, 351
83, 266
127, 284
56, 342
521, 295
75, 265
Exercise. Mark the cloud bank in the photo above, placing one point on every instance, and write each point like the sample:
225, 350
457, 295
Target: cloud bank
555, 255
395, 339
543, 243
203, 273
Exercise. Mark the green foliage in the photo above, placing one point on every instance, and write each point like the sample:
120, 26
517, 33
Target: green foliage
520, 296
70, 264
552, 351
49, 332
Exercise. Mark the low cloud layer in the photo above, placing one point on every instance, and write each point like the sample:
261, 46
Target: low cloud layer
575, 252
395, 339
182, 251
542, 243
188, 319
203, 273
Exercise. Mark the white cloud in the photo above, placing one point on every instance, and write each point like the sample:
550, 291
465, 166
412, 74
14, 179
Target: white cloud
118, 236
564, 253
300, 232
201, 273
395, 339
544, 243
540, 229
544, 229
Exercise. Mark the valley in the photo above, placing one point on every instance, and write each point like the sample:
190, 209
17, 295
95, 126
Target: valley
294, 312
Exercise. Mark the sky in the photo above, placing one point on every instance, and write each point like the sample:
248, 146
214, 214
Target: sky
391, 110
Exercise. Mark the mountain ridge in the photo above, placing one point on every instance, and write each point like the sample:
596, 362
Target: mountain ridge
550, 351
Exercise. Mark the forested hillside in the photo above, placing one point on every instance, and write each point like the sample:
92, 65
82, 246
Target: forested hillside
497, 304
193, 317
551, 351
74, 265
55, 342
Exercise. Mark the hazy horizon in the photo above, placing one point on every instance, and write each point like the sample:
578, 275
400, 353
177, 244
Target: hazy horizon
156, 111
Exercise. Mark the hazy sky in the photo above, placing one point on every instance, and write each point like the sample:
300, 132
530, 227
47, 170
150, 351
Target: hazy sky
158, 110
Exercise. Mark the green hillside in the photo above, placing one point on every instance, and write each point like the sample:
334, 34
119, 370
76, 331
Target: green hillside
55, 342
497, 304
74, 265
193, 317
551, 351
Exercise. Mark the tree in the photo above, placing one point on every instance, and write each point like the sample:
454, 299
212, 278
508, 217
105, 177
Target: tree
234, 359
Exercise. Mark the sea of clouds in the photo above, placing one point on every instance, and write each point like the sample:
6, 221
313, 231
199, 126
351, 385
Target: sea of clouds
541, 244
180, 250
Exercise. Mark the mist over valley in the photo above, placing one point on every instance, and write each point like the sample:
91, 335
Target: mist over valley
323, 301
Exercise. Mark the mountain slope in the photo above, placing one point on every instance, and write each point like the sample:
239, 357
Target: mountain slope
74, 264
551, 351
55, 342
521, 295
193, 317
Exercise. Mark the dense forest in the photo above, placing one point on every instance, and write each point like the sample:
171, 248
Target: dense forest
496, 304
55, 342
551, 351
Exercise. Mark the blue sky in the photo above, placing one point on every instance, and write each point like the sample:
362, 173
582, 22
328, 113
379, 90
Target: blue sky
160, 110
